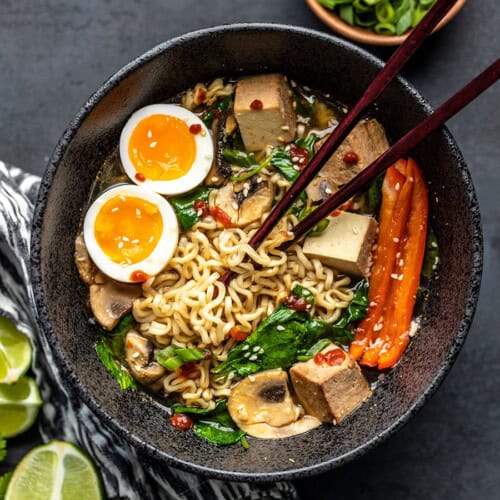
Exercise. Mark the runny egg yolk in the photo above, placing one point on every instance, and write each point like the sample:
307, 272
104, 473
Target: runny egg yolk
127, 229
162, 148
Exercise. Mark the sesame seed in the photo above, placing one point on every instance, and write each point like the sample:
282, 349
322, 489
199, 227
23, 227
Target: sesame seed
214, 179
256, 349
398, 255
245, 347
291, 460
378, 327
260, 180
398, 187
355, 230
235, 205
138, 212
285, 128
122, 198
153, 144
135, 355
151, 238
199, 212
115, 209
400, 277
411, 179
394, 276
245, 192
328, 190
296, 168
434, 244
150, 134
128, 261
295, 159
120, 244
280, 328
372, 304
135, 241
253, 357
396, 240
125, 238
401, 262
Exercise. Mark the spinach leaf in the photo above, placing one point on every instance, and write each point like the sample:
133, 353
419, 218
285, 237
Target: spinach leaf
184, 206
318, 346
282, 162
219, 407
4, 483
172, 356
374, 194
308, 143
114, 366
216, 425
431, 259
216, 433
111, 351
239, 158
222, 105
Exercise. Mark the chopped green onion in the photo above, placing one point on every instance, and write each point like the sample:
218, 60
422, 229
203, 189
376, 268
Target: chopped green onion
385, 29
385, 12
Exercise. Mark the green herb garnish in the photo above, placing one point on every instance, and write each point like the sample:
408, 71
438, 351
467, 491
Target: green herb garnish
173, 357
3, 448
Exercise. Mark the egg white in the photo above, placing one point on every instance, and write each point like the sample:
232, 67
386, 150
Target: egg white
161, 253
204, 150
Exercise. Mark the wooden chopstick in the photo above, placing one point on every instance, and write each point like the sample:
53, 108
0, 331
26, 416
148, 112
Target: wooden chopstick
393, 66
452, 106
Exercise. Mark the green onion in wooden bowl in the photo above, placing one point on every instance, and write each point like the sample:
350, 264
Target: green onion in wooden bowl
377, 22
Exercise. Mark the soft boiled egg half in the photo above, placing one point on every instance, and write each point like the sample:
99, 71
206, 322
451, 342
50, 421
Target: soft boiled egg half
166, 148
130, 233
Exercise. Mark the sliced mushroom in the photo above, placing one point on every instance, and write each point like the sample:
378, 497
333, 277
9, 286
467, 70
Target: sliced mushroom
266, 431
261, 405
247, 201
110, 300
139, 355
220, 169
84, 264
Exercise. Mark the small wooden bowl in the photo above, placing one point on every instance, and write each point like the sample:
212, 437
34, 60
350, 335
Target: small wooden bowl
366, 36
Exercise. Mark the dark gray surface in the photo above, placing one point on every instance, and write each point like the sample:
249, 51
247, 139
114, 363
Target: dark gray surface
53, 54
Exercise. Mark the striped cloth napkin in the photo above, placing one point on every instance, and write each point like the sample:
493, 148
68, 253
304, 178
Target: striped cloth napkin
67, 418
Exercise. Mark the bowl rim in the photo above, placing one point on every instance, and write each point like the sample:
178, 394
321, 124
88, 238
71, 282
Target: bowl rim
362, 35
72, 381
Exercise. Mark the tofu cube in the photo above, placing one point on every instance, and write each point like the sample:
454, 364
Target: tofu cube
273, 124
346, 244
327, 392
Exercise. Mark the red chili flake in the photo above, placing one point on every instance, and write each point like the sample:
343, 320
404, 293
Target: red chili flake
237, 334
217, 113
351, 157
140, 177
139, 277
297, 303
220, 216
343, 208
319, 358
299, 155
189, 370
256, 104
195, 128
334, 357
181, 421
200, 205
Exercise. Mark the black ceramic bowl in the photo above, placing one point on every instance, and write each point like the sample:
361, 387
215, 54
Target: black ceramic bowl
322, 62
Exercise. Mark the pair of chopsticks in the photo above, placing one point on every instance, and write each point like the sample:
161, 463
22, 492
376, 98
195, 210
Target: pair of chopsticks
393, 66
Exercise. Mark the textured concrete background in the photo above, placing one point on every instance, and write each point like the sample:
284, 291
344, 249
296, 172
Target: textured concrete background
55, 53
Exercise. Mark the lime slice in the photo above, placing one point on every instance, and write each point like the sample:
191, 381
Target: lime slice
15, 352
19, 405
55, 471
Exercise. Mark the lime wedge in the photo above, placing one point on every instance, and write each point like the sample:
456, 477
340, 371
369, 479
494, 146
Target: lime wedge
55, 471
19, 405
15, 352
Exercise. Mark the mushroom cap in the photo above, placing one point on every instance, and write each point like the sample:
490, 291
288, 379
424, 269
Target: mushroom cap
139, 355
266, 431
263, 398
